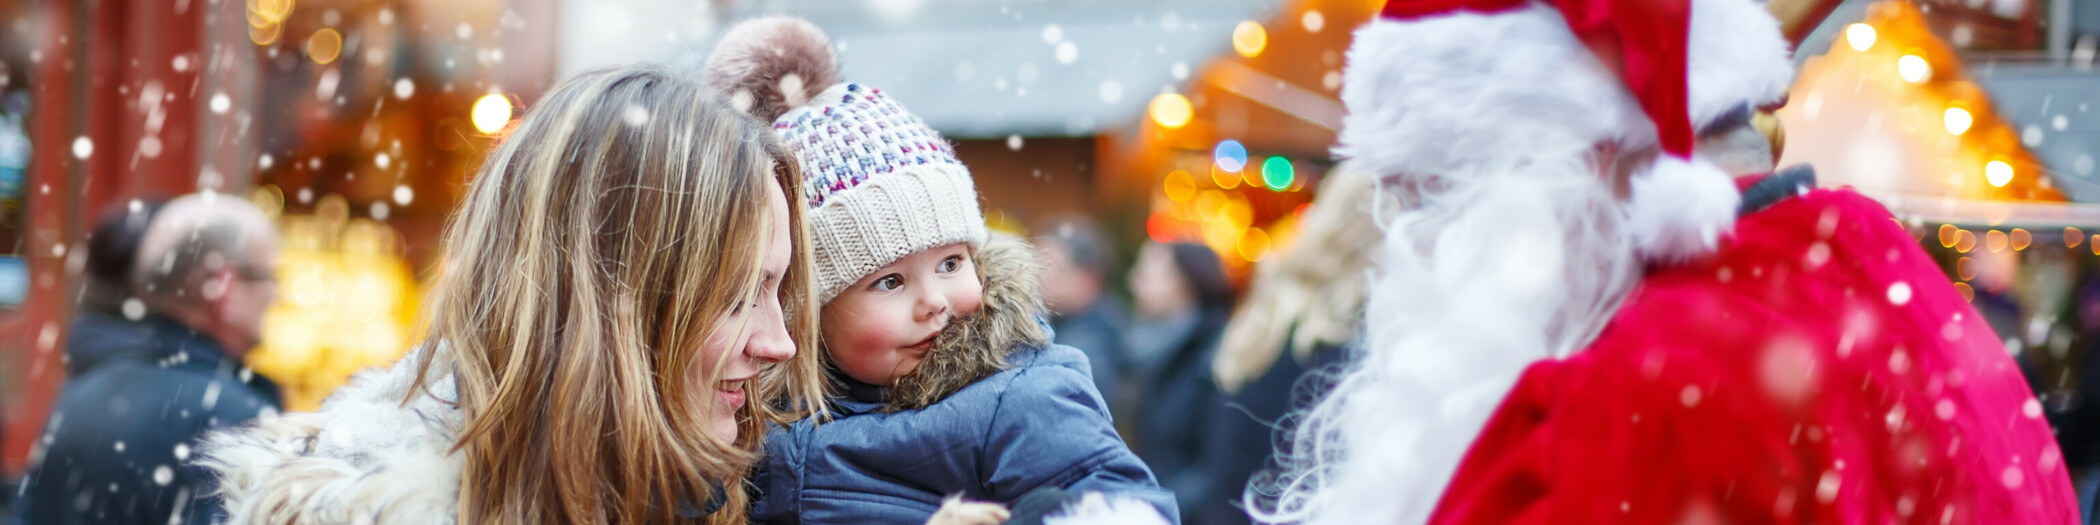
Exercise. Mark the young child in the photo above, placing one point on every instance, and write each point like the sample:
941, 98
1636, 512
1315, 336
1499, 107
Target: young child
944, 382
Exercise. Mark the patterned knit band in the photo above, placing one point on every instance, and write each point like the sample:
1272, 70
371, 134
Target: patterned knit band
882, 185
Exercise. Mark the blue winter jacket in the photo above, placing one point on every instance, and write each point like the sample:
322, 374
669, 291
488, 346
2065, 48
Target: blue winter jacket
1037, 424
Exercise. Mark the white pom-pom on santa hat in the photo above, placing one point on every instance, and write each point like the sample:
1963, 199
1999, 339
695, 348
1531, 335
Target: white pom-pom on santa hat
1679, 208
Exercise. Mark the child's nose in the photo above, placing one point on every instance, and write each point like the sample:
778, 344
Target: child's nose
932, 303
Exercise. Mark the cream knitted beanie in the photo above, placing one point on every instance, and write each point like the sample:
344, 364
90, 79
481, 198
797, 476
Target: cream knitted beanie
879, 184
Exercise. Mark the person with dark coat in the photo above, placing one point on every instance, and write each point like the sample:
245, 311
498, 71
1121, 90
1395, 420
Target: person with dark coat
1183, 302
100, 327
117, 444
1300, 322
1076, 257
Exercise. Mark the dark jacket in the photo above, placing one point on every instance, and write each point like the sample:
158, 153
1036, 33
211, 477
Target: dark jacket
96, 336
994, 412
1098, 331
1176, 407
1256, 421
120, 436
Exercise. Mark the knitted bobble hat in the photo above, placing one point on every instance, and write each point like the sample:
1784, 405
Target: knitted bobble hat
880, 185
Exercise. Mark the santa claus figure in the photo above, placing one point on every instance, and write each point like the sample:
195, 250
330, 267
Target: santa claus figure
1597, 306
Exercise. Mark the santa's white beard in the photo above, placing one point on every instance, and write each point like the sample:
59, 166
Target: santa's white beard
1485, 274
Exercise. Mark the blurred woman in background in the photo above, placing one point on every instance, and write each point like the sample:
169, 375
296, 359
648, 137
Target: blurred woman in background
616, 319
1182, 303
1302, 318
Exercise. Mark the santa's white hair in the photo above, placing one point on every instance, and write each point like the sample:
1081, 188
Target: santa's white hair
1500, 132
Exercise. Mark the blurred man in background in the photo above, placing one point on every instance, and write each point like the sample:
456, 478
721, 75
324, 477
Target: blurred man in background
1076, 256
115, 448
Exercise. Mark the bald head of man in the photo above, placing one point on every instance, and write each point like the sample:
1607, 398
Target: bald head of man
209, 261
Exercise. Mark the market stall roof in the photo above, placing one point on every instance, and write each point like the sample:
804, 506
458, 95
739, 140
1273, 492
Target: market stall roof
2053, 105
1895, 113
970, 68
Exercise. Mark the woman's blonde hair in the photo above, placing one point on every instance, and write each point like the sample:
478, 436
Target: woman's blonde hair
602, 243
1313, 291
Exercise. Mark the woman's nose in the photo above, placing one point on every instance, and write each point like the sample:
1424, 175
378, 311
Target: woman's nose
772, 343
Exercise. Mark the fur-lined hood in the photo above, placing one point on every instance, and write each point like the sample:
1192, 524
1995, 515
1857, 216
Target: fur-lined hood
363, 458
976, 346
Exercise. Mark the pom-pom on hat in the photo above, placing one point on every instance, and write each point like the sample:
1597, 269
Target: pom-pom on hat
880, 184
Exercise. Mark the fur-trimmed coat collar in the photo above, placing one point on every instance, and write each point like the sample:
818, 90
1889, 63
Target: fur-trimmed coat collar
363, 458
975, 346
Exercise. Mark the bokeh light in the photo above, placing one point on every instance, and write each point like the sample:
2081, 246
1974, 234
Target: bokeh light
1224, 179
1180, 186
1230, 155
1171, 110
324, 46
1958, 120
1913, 68
1861, 36
1998, 173
1277, 173
491, 113
1254, 245
1249, 38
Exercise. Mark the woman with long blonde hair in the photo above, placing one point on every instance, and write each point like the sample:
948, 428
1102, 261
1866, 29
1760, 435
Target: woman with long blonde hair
617, 317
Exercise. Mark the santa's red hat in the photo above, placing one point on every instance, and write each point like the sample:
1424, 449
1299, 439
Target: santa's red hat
1442, 87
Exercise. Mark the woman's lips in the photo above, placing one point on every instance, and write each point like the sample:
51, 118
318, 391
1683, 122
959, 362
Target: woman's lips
732, 394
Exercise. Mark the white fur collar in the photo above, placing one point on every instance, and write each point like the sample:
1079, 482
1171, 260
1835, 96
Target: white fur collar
363, 458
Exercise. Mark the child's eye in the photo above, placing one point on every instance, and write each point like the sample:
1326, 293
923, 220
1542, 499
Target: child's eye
888, 282
950, 264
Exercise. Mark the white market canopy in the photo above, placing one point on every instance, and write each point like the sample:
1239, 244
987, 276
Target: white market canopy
971, 68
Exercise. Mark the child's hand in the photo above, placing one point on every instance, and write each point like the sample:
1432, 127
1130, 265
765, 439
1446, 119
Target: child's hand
955, 511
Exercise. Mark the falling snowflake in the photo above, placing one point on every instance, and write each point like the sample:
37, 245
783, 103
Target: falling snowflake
1013, 142
1899, 294
379, 211
635, 115
382, 160
1111, 91
403, 88
1067, 53
220, 103
1053, 34
134, 309
162, 475
82, 147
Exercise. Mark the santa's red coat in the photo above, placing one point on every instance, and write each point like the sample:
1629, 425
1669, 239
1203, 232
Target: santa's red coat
1817, 369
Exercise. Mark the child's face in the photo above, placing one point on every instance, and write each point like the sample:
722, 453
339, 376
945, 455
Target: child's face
881, 327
